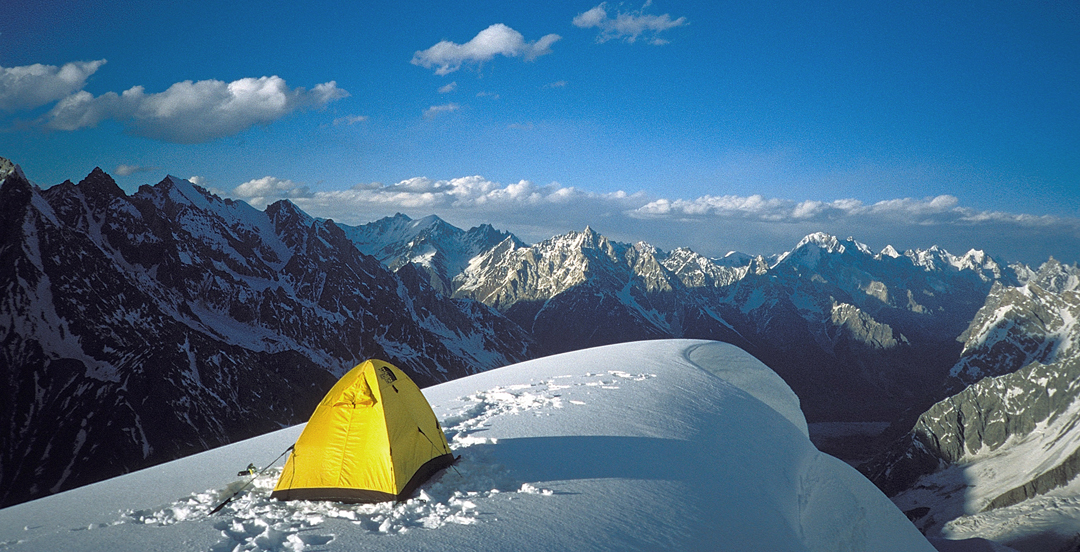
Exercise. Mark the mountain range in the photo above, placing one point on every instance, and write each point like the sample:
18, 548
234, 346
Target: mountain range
140, 328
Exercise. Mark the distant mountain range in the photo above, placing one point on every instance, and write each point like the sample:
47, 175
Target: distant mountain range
140, 328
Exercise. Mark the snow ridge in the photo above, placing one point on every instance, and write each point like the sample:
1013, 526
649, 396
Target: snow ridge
597, 450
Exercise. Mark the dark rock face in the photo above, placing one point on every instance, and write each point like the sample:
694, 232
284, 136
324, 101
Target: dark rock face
134, 330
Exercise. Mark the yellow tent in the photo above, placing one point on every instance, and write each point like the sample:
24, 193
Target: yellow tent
373, 438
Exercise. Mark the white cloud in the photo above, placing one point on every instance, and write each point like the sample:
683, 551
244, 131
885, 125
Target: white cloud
711, 225
435, 110
262, 191
497, 39
556, 84
448, 88
30, 86
756, 207
627, 26
192, 112
757, 224
127, 170
350, 120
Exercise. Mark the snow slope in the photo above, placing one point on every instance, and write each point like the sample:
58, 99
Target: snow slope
626, 447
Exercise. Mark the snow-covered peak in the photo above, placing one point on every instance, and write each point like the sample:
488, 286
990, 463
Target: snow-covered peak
810, 251
975, 261
183, 191
890, 251
934, 258
734, 259
828, 242
1056, 277
695, 270
440, 249
646, 247
577, 244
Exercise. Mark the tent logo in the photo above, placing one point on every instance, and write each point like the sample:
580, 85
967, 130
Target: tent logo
386, 375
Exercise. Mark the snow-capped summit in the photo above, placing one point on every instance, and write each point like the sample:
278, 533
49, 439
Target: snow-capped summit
975, 262
825, 241
811, 250
439, 249
734, 259
890, 251
661, 445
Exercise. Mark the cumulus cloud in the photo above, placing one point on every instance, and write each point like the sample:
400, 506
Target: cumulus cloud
556, 84
192, 112
435, 110
498, 39
448, 88
128, 170
30, 86
627, 26
265, 190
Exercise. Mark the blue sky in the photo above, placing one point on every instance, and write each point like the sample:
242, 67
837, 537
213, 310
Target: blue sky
709, 125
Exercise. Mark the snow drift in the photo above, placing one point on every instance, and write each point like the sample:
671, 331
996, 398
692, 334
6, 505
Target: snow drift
660, 445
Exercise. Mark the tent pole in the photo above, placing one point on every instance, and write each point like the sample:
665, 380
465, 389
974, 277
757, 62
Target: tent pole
228, 500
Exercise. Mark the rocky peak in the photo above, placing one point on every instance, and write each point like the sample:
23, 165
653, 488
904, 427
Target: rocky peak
285, 212
8, 168
182, 191
290, 223
15, 188
1056, 277
99, 188
588, 238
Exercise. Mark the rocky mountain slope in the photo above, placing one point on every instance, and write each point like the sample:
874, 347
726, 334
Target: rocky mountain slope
430, 244
136, 329
1011, 435
859, 336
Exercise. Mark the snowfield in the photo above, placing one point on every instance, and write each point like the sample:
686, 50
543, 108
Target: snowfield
658, 445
